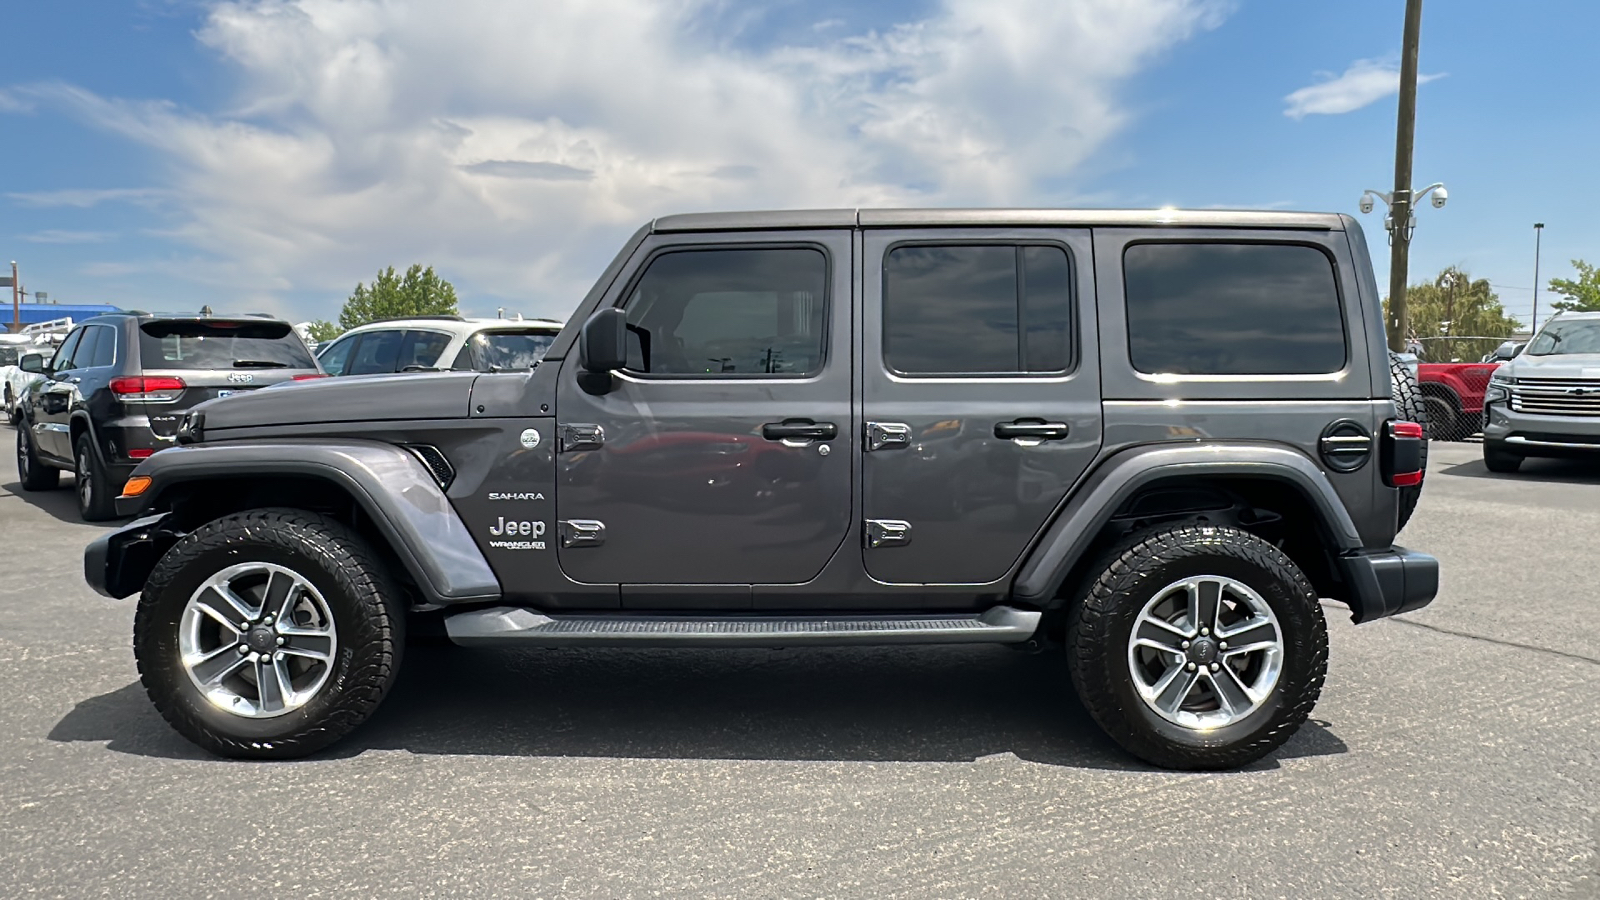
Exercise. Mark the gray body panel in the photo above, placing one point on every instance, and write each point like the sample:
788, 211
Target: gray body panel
358, 398
388, 482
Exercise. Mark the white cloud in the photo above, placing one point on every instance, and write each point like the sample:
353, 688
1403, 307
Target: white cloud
59, 236
513, 145
84, 199
1365, 82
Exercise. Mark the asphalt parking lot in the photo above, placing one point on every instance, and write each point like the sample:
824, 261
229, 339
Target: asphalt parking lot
1455, 753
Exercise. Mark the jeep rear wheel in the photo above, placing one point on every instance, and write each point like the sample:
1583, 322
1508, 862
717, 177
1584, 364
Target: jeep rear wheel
1198, 647
268, 634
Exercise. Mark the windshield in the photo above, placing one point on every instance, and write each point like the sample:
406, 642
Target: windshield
509, 349
1561, 338
187, 344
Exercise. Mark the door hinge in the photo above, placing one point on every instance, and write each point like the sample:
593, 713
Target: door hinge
580, 437
885, 436
887, 533
581, 532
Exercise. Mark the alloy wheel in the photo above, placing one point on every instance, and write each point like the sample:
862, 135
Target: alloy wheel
257, 639
1205, 652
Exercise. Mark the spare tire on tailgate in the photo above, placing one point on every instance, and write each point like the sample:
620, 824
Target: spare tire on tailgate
1408, 402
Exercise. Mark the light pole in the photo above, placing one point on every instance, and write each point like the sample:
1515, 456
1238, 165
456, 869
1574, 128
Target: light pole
1401, 204
1538, 232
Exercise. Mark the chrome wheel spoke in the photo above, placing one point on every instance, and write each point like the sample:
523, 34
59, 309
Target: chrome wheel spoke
217, 665
224, 605
1232, 695
1205, 596
317, 645
272, 684
1258, 633
1158, 635
282, 590
1177, 689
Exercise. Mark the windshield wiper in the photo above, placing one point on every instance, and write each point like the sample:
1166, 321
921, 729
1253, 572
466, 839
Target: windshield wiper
259, 364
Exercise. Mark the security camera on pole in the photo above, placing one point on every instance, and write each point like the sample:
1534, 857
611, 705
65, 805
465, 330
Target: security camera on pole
1401, 203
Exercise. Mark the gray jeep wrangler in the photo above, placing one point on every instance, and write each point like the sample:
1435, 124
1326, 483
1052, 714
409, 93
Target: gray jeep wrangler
1150, 439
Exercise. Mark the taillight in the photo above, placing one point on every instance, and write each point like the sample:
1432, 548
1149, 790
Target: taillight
310, 376
1402, 454
140, 453
151, 389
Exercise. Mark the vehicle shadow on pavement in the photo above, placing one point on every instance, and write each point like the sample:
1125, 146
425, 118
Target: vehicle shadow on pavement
1553, 471
61, 503
861, 704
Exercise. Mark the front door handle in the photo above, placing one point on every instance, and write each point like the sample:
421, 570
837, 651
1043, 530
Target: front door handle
1031, 430
799, 429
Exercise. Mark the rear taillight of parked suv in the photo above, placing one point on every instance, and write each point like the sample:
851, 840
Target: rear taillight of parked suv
1402, 454
152, 389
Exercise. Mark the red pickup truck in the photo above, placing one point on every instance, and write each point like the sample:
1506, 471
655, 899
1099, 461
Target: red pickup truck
1454, 395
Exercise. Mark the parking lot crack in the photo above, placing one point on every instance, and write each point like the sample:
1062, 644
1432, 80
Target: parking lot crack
1578, 657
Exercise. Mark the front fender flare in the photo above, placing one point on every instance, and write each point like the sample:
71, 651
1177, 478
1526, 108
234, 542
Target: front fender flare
387, 482
1118, 478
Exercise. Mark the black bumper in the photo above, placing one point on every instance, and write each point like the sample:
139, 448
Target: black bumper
1389, 582
117, 563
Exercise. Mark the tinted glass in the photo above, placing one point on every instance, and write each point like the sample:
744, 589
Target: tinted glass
83, 357
336, 356
730, 312
9, 353
1232, 309
104, 352
961, 310
195, 344
506, 350
375, 354
62, 360
421, 349
1571, 336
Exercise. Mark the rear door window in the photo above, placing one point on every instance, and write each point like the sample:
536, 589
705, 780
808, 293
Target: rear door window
376, 354
422, 349
103, 352
1233, 309
203, 344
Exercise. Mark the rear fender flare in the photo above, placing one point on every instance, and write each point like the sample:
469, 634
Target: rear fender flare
1119, 478
389, 484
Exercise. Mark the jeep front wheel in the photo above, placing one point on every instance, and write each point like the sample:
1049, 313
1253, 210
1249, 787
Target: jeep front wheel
268, 634
1198, 647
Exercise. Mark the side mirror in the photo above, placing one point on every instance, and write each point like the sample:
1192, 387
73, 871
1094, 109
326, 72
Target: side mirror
603, 345
1506, 350
33, 362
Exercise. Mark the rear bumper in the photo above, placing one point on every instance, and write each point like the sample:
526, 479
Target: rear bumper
1389, 582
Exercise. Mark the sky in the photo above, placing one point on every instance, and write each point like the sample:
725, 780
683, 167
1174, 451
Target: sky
268, 155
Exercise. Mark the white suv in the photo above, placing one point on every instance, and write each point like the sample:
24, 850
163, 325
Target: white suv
435, 343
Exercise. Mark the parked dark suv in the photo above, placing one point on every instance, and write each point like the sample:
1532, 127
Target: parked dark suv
118, 386
1153, 441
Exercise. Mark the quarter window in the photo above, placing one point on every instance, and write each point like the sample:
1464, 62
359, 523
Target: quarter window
734, 312
1232, 309
978, 309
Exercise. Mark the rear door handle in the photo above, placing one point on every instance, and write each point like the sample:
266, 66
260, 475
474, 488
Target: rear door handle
1031, 429
799, 429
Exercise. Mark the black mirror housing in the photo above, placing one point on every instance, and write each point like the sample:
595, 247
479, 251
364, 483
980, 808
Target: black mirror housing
603, 346
33, 362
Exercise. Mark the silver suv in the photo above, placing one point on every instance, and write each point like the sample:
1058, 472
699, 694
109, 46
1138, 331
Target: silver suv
439, 343
1546, 400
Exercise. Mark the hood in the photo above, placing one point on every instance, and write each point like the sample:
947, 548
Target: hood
1566, 365
442, 395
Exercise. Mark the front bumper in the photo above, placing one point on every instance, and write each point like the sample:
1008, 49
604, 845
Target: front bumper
1389, 582
1531, 434
116, 564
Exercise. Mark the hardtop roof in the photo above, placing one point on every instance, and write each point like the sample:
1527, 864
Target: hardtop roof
796, 219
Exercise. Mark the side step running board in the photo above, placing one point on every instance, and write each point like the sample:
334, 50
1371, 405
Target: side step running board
517, 627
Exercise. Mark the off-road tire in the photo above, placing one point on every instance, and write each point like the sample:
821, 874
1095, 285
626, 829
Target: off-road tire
31, 471
368, 616
1098, 630
1496, 459
97, 500
1409, 404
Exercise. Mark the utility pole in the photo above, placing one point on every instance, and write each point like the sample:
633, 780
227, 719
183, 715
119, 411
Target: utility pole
1400, 206
1538, 232
16, 300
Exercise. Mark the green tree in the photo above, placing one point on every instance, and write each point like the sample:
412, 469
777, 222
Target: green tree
322, 331
1456, 318
419, 292
1581, 295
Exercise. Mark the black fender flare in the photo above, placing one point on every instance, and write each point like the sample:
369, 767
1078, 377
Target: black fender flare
1119, 477
390, 485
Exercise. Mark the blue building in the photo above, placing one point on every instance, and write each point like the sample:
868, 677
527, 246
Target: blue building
33, 313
